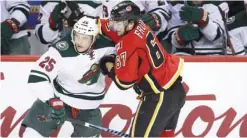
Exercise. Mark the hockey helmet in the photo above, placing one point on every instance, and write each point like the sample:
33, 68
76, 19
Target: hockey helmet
125, 10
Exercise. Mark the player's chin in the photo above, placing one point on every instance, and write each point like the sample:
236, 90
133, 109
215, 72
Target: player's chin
120, 33
81, 49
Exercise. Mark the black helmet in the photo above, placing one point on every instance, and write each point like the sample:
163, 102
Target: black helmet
125, 10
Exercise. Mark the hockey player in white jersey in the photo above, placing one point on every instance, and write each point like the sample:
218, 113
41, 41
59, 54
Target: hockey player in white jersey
155, 13
237, 26
53, 13
14, 15
198, 29
68, 82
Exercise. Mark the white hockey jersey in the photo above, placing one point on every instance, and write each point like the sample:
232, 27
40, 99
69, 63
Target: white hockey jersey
74, 77
156, 6
42, 30
213, 36
237, 26
237, 45
16, 9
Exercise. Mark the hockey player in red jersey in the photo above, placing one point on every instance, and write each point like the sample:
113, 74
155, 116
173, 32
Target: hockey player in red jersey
142, 63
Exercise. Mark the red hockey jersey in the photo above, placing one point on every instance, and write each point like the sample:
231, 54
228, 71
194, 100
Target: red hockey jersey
141, 60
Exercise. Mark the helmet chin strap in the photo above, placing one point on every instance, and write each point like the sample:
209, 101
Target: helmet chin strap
90, 47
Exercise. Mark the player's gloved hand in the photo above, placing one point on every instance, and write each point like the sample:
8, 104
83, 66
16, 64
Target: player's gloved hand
103, 61
8, 28
56, 19
73, 13
187, 33
57, 111
152, 20
195, 15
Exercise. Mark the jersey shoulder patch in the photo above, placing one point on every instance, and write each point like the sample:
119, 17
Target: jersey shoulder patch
230, 20
62, 45
65, 47
237, 21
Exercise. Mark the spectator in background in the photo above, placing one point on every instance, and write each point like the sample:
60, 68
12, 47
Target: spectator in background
52, 14
14, 39
197, 28
154, 13
234, 45
235, 7
237, 26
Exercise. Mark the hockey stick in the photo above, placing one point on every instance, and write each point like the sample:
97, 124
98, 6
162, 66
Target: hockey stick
114, 132
228, 37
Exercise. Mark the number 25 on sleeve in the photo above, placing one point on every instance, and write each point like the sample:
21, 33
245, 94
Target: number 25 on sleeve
47, 64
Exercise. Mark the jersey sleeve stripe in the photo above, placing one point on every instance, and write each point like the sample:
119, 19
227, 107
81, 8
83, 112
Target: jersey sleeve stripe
150, 83
26, 7
63, 91
176, 75
24, 11
161, 11
219, 31
91, 94
124, 85
35, 79
167, 17
120, 84
38, 73
40, 35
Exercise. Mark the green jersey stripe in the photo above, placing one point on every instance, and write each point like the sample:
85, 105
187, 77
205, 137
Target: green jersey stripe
41, 73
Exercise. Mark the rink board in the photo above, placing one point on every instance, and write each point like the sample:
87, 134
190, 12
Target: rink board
216, 102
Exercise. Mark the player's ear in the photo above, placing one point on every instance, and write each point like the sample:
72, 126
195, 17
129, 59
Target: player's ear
131, 25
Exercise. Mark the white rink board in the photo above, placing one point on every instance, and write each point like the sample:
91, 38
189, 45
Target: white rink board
217, 94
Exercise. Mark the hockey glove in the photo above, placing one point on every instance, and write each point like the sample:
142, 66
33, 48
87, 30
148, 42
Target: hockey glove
152, 20
56, 19
57, 111
194, 15
73, 13
8, 28
103, 61
187, 33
